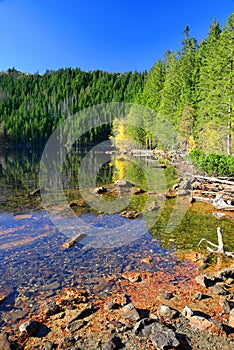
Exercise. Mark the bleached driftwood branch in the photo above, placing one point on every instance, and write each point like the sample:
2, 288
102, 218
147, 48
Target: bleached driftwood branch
220, 247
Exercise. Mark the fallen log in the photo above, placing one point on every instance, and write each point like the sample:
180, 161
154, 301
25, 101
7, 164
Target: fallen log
220, 204
214, 179
74, 240
202, 199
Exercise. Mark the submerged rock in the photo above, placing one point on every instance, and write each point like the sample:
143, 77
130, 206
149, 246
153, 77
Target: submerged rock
99, 190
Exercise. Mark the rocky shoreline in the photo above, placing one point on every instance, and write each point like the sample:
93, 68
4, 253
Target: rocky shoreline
144, 310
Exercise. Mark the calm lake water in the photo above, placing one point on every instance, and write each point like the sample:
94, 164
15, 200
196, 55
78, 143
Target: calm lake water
33, 261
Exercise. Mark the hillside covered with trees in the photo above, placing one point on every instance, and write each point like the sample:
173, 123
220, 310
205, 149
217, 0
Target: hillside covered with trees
33, 105
194, 90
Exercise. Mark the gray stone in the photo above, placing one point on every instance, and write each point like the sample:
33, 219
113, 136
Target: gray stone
30, 327
167, 312
205, 281
123, 183
167, 295
219, 290
130, 312
187, 312
51, 286
109, 305
113, 344
226, 273
75, 325
154, 206
4, 342
198, 296
138, 190
140, 325
163, 337
84, 312
50, 308
99, 190
48, 345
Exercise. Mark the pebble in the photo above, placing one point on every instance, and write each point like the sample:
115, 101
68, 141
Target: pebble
167, 295
199, 296
49, 308
113, 344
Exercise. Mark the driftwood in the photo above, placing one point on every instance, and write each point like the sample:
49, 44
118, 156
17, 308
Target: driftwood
220, 247
220, 204
214, 190
214, 179
74, 240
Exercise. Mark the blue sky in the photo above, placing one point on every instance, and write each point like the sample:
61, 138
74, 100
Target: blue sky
112, 35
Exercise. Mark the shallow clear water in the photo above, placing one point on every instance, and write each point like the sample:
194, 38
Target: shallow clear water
33, 261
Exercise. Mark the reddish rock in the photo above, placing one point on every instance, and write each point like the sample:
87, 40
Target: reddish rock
231, 318
130, 312
205, 324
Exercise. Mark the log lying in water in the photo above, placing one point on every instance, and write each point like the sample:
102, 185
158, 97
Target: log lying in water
74, 240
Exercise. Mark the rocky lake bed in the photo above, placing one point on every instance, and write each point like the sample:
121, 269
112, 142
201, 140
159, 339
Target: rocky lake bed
122, 279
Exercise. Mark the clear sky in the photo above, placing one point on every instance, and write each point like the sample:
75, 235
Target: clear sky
112, 35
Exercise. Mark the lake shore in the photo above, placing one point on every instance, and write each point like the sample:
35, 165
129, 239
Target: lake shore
181, 309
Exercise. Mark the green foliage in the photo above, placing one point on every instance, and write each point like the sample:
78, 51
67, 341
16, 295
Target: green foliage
213, 164
193, 89
33, 105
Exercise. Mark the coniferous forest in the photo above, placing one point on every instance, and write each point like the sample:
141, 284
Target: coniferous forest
192, 88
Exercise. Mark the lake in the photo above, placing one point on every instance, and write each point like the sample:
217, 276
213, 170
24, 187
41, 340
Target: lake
34, 263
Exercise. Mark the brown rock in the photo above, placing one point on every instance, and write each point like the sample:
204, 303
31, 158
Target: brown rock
130, 312
225, 306
147, 260
75, 325
205, 281
219, 290
231, 318
4, 342
205, 324
132, 277
171, 193
138, 190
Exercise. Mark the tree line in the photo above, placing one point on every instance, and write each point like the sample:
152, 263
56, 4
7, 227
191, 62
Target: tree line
193, 89
32, 105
